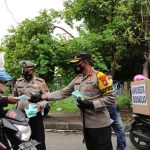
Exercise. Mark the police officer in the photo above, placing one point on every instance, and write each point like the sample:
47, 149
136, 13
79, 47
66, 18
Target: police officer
30, 85
97, 93
4, 78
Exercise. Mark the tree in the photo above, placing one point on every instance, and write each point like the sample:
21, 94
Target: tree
123, 28
32, 40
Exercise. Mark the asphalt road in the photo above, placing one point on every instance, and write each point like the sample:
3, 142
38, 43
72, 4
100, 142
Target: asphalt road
73, 141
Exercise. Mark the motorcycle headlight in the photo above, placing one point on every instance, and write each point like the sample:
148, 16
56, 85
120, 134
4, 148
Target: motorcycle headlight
25, 132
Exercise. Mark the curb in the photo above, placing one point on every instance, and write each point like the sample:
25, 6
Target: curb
63, 126
71, 126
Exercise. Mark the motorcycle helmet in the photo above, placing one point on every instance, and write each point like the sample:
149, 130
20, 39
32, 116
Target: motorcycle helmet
4, 78
139, 77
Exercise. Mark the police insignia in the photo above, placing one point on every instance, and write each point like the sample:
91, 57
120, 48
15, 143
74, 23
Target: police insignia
90, 78
104, 83
103, 80
78, 79
45, 87
87, 88
35, 86
78, 68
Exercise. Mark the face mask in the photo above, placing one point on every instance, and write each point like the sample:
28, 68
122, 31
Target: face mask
2, 87
111, 81
78, 68
27, 76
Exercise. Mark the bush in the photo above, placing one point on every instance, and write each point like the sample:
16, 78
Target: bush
124, 101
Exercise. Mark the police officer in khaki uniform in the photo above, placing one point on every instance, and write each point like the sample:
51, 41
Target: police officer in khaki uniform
30, 85
97, 93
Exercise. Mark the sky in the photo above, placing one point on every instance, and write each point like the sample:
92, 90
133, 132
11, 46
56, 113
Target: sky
13, 11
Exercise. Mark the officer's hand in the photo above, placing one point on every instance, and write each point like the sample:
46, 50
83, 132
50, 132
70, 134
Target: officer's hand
85, 104
38, 106
35, 98
12, 100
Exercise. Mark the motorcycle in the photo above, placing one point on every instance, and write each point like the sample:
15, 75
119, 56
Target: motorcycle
139, 132
15, 131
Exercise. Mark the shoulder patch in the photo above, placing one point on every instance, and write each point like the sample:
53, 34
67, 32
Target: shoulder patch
40, 79
20, 79
104, 83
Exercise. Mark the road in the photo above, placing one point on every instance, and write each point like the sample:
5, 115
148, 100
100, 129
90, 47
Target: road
73, 141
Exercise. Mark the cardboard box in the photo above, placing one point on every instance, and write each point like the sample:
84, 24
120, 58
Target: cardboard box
140, 91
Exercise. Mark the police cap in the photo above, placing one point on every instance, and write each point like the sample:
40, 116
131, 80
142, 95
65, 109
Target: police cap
81, 56
26, 64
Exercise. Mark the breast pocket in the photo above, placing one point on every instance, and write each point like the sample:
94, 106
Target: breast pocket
88, 90
20, 90
34, 91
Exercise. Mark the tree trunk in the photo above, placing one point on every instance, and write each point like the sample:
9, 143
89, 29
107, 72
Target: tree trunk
146, 66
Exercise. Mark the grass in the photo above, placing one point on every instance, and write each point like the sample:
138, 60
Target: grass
67, 105
124, 101
10, 106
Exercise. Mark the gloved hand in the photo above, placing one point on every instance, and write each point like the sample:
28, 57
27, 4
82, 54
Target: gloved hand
85, 104
35, 98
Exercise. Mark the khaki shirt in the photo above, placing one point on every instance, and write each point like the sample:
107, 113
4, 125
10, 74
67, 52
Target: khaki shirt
97, 117
35, 86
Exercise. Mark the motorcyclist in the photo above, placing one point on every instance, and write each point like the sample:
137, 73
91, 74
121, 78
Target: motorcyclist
4, 101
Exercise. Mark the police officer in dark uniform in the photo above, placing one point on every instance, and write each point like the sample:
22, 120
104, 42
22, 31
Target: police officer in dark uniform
30, 85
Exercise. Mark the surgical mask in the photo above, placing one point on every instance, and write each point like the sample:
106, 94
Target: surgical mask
2, 88
27, 77
111, 81
78, 68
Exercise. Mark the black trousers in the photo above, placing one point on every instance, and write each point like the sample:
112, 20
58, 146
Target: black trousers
37, 128
98, 138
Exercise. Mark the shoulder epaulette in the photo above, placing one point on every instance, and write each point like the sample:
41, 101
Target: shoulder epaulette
40, 79
20, 79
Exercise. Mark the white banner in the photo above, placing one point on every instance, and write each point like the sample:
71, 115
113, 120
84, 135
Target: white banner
138, 93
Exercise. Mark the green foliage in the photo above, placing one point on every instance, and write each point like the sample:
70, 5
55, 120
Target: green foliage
122, 27
124, 101
116, 33
30, 41
7, 91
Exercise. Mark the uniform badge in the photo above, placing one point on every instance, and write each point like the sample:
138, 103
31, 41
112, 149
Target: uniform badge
78, 79
35, 86
90, 78
45, 87
87, 90
103, 80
